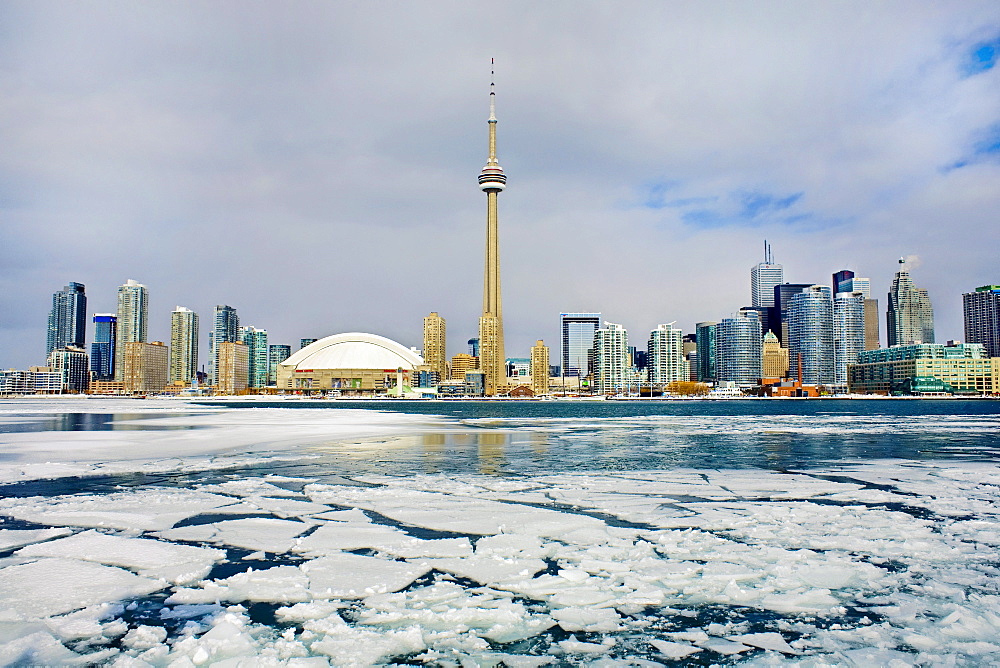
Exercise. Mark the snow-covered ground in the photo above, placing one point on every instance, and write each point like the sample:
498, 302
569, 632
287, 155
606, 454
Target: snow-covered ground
871, 563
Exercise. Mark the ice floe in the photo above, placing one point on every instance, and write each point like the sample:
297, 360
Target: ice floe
177, 564
48, 587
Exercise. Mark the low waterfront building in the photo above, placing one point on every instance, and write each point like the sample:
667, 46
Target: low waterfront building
952, 368
351, 363
36, 380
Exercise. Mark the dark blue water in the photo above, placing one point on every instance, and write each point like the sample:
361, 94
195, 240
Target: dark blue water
506, 438
512, 438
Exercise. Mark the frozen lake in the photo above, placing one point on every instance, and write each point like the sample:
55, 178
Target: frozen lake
152, 532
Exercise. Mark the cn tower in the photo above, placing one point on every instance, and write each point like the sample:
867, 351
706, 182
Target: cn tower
491, 351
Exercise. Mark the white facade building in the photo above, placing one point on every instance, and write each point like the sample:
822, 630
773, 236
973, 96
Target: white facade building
611, 367
665, 356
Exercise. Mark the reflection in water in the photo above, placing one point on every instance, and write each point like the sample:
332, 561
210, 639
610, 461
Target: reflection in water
434, 452
539, 441
777, 445
491, 451
90, 422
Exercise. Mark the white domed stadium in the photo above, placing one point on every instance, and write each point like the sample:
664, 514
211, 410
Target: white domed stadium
351, 363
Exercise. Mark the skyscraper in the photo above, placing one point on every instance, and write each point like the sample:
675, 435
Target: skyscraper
102, 350
738, 348
306, 342
846, 281
67, 319
810, 334
540, 368
848, 332
981, 313
778, 322
225, 330
257, 355
611, 368
774, 358
183, 345
705, 337
491, 181
763, 277
133, 308
74, 366
233, 366
145, 366
276, 354
577, 341
910, 316
840, 280
435, 342
665, 356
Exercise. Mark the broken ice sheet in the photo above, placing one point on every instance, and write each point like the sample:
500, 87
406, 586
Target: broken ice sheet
491, 569
446, 609
252, 533
344, 536
281, 584
673, 650
177, 564
443, 512
249, 487
47, 587
357, 576
11, 539
149, 509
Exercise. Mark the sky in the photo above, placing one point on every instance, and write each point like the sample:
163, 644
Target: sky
314, 164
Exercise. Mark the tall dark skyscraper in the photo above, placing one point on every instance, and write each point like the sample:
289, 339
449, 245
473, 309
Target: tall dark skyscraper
67, 319
840, 279
981, 312
705, 336
102, 350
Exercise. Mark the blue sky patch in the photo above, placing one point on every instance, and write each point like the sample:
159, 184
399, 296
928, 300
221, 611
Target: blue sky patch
985, 148
759, 204
743, 208
982, 57
655, 196
990, 142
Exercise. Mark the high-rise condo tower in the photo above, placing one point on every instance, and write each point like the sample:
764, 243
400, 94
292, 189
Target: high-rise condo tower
492, 180
910, 317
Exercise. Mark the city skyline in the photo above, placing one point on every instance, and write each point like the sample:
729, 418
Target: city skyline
844, 145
